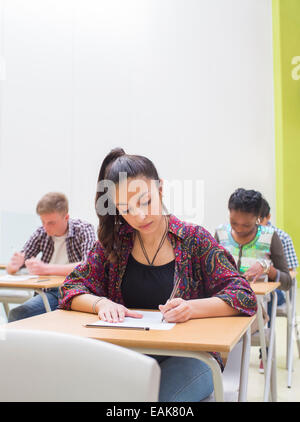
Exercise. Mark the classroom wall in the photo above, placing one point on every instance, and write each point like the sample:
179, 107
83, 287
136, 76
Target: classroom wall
187, 83
286, 24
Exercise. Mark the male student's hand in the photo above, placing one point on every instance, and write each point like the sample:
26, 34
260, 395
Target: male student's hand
36, 267
17, 261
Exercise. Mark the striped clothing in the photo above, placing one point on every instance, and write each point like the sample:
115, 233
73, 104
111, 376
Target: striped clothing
246, 255
265, 245
79, 241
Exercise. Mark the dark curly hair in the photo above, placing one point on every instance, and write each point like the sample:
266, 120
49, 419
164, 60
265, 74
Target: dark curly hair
246, 201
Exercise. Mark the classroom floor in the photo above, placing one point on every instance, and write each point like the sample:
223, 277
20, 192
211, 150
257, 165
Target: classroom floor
256, 384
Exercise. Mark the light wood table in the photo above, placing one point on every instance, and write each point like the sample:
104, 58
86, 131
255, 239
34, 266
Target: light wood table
194, 338
39, 285
261, 289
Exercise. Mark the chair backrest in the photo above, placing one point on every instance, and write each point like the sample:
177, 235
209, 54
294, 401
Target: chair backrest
48, 366
231, 375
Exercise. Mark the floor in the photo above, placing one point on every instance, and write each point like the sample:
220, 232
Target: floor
255, 385
256, 380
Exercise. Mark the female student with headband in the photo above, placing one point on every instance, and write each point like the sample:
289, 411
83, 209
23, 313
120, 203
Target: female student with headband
141, 253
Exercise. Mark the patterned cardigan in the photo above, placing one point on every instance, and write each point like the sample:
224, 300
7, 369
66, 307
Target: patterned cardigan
206, 269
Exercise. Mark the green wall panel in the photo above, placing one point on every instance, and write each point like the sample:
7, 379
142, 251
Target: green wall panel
286, 51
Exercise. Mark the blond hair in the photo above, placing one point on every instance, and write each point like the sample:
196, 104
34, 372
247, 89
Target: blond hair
53, 202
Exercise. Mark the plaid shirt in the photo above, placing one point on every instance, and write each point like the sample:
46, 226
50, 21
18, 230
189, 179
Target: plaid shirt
79, 241
288, 247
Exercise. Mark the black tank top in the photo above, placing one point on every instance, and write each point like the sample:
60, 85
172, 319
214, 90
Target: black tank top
146, 286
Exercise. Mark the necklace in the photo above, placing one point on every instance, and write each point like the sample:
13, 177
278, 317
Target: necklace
159, 246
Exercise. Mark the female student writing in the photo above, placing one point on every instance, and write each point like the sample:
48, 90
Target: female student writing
257, 249
140, 255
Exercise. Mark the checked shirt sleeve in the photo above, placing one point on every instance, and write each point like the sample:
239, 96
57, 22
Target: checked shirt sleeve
33, 246
88, 239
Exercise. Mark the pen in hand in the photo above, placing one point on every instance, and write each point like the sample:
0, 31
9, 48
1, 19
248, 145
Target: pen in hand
174, 289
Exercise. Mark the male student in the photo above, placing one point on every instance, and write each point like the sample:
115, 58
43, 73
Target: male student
289, 252
64, 243
286, 240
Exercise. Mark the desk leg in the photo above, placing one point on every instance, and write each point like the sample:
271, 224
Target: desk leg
262, 338
269, 368
291, 325
274, 374
272, 348
204, 356
288, 331
45, 299
245, 366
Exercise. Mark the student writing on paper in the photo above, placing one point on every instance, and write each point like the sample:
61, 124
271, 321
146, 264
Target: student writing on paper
286, 240
64, 243
257, 249
141, 254
289, 252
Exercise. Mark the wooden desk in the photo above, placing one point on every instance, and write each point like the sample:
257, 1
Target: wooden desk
194, 338
261, 289
36, 284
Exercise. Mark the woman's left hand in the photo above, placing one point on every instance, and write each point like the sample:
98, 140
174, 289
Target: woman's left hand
176, 310
254, 272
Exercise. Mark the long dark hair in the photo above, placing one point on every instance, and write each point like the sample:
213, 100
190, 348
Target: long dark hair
116, 162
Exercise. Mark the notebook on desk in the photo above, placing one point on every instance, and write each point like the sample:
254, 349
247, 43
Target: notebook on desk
16, 278
150, 321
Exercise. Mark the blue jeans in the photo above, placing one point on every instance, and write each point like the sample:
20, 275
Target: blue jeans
34, 306
184, 379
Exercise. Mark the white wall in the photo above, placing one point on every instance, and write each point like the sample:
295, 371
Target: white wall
187, 83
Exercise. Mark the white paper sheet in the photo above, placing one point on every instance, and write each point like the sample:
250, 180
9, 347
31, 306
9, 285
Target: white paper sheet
150, 321
17, 278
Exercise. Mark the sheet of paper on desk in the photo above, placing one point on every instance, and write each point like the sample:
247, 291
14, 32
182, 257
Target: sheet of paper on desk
9, 277
150, 320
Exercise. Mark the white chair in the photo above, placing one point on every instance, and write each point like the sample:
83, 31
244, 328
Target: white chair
231, 375
47, 366
288, 310
14, 296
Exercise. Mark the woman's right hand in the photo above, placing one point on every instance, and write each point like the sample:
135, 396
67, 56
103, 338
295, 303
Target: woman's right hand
114, 312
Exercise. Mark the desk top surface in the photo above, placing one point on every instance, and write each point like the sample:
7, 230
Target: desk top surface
42, 282
263, 288
218, 334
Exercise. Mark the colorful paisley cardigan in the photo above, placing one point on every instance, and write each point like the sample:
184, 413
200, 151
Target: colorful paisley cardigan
205, 267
